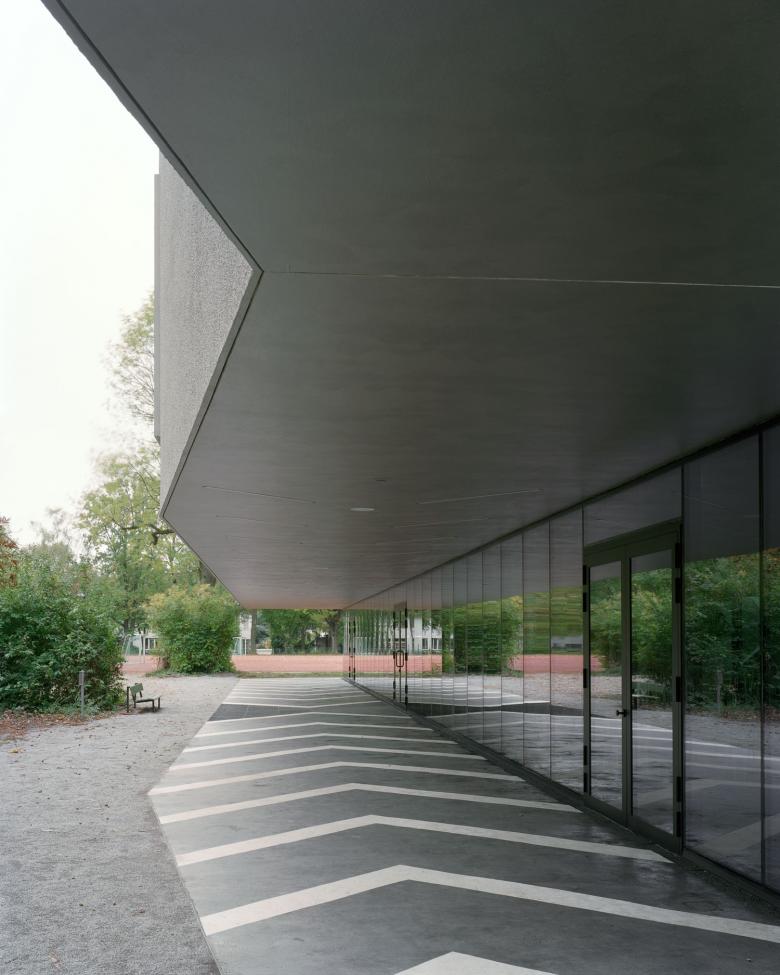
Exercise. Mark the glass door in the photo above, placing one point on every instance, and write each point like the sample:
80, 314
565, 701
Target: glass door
633, 681
400, 653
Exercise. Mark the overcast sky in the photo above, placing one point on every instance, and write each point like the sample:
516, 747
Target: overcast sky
76, 253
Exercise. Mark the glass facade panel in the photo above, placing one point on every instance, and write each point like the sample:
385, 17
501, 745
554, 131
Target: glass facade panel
648, 503
475, 650
512, 698
606, 684
771, 602
536, 644
492, 645
723, 657
566, 721
652, 689
460, 696
447, 643
495, 645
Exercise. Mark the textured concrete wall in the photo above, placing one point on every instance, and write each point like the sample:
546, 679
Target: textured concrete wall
201, 279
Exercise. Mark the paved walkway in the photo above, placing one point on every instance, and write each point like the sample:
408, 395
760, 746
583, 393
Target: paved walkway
320, 831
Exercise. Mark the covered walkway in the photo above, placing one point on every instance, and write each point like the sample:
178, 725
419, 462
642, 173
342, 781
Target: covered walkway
320, 830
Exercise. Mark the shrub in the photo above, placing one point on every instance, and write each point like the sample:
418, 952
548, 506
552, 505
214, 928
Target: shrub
196, 626
55, 621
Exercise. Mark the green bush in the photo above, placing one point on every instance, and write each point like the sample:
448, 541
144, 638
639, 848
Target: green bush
55, 621
196, 627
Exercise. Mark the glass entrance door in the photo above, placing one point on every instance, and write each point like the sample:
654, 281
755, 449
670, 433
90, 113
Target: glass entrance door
633, 683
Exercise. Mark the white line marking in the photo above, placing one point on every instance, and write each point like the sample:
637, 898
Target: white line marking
292, 707
321, 734
329, 790
423, 825
297, 699
306, 714
275, 773
183, 766
455, 963
258, 756
270, 907
305, 724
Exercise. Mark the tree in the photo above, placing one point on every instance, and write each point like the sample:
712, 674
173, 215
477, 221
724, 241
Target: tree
9, 557
292, 629
125, 537
132, 363
58, 619
330, 621
196, 626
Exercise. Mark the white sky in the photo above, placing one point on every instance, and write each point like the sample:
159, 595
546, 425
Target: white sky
76, 252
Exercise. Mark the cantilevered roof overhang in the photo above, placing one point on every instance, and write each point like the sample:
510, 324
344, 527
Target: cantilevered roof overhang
504, 256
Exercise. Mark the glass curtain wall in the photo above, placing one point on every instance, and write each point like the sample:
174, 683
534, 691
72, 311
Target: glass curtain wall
492, 645
496, 646
770, 586
566, 721
536, 645
474, 648
512, 679
723, 657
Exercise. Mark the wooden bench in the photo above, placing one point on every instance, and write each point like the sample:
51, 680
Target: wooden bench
135, 691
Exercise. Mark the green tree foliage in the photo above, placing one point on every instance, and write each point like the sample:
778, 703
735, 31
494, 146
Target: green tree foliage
293, 630
59, 618
132, 363
484, 635
125, 538
196, 626
9, 556
723, 633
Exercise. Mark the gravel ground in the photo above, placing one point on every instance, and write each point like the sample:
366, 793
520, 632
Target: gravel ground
87, 884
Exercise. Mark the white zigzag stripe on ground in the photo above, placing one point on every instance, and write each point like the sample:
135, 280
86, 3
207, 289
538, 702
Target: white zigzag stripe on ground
306, 707
320, 734
270, 907
304, 714
302, 724
455, 963
423, 825
182, 767
275, 773
329, 790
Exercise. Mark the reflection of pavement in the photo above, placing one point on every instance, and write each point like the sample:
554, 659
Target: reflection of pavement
722, 757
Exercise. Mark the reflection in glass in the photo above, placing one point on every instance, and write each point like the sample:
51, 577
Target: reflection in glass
536, 659
460, 699
723, 658
414, 665
652, 689
447, 641
492, 645
606, 684
512, 699
474, 641
647, 503
566, 722
771, 594
432, 599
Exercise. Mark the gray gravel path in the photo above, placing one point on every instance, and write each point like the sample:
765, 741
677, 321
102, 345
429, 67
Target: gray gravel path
87, 884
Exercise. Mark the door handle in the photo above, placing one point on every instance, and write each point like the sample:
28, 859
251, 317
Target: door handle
622, 712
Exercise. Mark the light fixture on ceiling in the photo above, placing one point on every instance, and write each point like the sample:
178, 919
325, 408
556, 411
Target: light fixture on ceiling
362, 509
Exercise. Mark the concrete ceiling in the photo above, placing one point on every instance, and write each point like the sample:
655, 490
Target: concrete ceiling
405, 173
